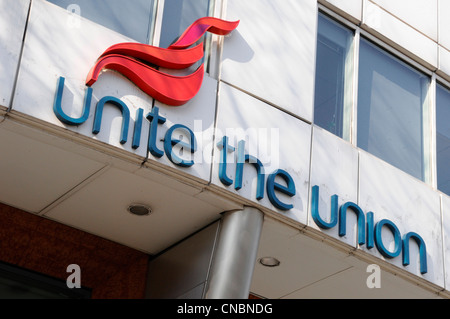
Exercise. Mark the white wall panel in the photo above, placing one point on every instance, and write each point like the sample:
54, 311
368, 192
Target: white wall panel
410, 204
334, 168
402, 35
13, 16
419, 14
444, 23
198, 114
278, 140
446, 239
444, 61
55, 48
353, 8
271, 54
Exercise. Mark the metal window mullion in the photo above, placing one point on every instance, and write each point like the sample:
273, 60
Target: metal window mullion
216, 46
158, 22
209, 39
432, 169
354, 112
151, 25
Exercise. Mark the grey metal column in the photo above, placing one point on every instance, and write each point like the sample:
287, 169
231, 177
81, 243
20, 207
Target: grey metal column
234, 257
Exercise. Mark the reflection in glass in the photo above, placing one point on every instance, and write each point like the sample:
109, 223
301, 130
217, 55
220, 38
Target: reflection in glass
178, 15
132, 18
334, 70
392, 111
443, 139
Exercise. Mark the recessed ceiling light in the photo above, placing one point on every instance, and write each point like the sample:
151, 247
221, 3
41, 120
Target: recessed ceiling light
139, 209
269, 261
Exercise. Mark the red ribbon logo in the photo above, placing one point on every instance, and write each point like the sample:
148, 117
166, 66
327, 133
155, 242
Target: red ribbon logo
137, 62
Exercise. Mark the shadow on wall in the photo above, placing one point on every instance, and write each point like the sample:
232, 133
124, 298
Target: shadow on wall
236, 40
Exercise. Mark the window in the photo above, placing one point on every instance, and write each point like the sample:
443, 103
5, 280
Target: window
178, 15
443, 139
334, 73
132, 18
390, 117
392, 110
136, 18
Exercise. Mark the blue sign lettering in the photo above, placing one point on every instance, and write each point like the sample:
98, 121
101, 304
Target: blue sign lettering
369, 233
373, 235
272, 185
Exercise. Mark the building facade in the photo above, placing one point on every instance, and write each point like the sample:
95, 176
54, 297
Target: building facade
310, 160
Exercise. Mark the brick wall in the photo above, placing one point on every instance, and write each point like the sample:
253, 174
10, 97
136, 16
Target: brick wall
111, 270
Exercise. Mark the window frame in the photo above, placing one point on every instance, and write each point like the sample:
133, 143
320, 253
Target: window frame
445, 84
349, 71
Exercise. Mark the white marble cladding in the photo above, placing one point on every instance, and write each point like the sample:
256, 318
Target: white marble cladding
334, 169
446, 239
402, 34
356, 176
277, 140
13, 16
419, 28
70, 51
421, 15
272, 53
410, 204
54, 48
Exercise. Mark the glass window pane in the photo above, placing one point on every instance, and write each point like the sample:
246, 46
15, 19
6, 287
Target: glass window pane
443, 139
334, 71
392, 110
132, 18
178, 15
